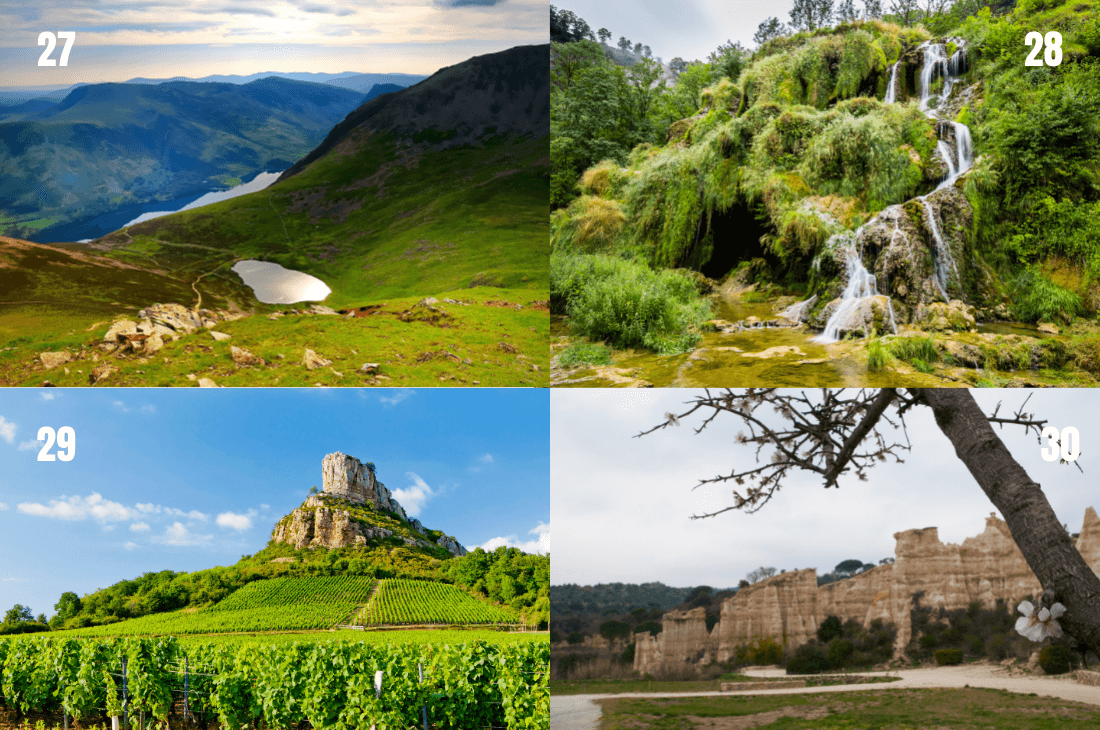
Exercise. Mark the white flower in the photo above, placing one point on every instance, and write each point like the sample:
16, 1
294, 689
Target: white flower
1039, 625
672, 419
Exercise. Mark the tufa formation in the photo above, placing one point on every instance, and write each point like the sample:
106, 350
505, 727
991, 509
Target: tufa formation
790, 606
317, 524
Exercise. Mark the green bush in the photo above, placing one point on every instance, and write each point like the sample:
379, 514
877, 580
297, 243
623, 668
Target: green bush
612, 630
829, 629
1056, 659
808, 659
653, 627
947, 657
1038, 299
627, 304
628, 654
878, 356
765, 650
915, 348
837, 651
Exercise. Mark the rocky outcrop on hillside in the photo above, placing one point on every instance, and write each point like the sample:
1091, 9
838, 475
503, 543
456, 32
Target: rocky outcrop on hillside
320, 522
790, 606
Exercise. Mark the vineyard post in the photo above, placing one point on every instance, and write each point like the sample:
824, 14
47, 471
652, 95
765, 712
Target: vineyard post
125, 719
186, 711
420, 670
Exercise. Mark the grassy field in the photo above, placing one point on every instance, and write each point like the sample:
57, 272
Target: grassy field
958, 709
612, 686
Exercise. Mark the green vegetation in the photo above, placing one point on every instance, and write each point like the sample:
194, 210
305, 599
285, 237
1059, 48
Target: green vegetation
627, 303
400, 601
842, 646
327, 684
961, 709
586, 354
1039, 299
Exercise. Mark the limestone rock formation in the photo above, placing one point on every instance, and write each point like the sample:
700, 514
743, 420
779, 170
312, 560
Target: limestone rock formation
317, 524
790, 606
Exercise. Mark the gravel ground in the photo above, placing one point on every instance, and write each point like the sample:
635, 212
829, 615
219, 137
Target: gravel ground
580, 712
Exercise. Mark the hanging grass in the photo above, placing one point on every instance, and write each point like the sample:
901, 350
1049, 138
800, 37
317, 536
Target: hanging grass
590, 225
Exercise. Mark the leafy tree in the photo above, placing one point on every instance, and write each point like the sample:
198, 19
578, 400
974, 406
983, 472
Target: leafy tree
872, 9
604, 34
838, 433
638, 48
18, 613
846, 12
770, 28
646, 52
728, 60
755, 576
67, 606
624, 44
677, 65
849, 566
809, 15
830, 628
40, 618
612, 630
904, 11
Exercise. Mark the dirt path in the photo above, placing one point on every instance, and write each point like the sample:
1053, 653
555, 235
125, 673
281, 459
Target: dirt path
581, 712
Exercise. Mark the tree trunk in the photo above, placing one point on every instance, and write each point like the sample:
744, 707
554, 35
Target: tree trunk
1048, 550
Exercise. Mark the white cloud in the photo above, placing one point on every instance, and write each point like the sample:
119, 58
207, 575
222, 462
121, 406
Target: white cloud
397, 397
178, 534
487, 459
7, 430
139, 527
192, 515
416, 496
29, 445
236, 521
47, 395
147, 408
540, 545
79, 508
3, 506
130, 545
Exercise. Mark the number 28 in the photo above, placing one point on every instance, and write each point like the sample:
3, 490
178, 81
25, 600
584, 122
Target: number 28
1053, 55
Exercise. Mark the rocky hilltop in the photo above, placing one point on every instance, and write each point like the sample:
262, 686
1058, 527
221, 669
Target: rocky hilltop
352, 509
790, 606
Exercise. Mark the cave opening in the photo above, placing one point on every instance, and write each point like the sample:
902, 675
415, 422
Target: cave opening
736, 233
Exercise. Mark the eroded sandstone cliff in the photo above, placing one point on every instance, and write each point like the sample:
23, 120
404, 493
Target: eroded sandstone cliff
790, 606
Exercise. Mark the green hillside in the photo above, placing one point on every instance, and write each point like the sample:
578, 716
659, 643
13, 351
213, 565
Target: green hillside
401, 602
436, 190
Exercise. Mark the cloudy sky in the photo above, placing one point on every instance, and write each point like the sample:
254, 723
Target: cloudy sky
121, 39
690, 29
626, 503
188, 479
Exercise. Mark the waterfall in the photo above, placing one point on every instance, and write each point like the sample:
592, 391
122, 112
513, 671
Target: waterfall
861, 285
797, 311
892, 87
942, 258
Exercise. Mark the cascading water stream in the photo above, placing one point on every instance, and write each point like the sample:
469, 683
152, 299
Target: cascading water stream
942, 255
892, 87
861, 285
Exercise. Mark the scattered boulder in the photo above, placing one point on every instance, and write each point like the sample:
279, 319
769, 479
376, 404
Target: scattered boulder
321, 309
426, 302
120, 327
101, 373
207, 383
1047, 327
51, 360
220, 336
312, 360
243, 357
152, 344
778, 351
941, 317
370, 368
510, 349
872, 314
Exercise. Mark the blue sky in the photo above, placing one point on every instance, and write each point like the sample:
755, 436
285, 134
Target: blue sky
121, 39
188, 479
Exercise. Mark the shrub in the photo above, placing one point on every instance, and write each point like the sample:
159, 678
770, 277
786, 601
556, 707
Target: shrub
575, 637
626, 303
837, 651
1056, 659
611, 630
928, 641
628, 654
947, 657
878, 356
996, 647
765, 650
829, 629
1040, 299
808, 659
653, 627
915, 348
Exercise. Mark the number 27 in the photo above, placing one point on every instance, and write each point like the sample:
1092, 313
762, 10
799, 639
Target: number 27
48, 39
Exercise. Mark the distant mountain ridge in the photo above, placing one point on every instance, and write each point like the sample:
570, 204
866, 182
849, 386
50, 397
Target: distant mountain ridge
106, 145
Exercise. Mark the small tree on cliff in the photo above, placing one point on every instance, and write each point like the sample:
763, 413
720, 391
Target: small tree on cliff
841, 433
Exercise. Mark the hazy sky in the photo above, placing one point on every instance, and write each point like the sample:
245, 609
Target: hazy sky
121, 39
625, 503
187, 479
690, 29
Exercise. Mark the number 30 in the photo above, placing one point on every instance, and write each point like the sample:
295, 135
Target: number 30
1070, 444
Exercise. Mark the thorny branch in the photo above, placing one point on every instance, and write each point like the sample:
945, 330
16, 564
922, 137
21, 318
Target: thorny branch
831, 435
